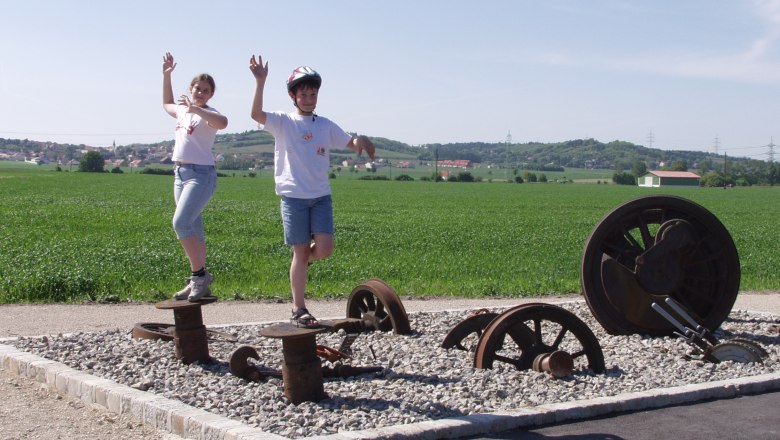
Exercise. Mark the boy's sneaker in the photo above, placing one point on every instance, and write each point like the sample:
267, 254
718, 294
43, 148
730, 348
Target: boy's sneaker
199, 287
185, 292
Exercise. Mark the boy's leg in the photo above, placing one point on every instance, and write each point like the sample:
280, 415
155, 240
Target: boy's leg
322, 228
321, 247
299, 270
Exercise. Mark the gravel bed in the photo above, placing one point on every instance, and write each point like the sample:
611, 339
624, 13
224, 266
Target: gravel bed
419, 381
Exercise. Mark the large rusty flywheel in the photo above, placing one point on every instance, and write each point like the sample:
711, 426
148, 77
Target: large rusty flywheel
655, 247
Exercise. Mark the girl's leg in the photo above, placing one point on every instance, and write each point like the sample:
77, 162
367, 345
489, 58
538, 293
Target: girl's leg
196, 252
194, 186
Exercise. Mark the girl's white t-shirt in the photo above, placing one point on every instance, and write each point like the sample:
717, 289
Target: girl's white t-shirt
301, 153
194, 138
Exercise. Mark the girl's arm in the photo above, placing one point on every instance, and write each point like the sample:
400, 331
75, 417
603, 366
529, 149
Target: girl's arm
211, 116
260, 72
168, 66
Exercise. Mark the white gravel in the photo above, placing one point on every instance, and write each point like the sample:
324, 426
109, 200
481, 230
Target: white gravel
419, 381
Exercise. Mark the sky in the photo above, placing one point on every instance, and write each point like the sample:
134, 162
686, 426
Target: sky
672, 74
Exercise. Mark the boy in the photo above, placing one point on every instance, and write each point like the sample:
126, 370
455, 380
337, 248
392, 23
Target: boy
301, 163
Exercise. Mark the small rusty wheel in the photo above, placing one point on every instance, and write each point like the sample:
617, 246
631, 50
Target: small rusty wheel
153, 330
165, 332
379, 306
474, 324
536, 329
652, 248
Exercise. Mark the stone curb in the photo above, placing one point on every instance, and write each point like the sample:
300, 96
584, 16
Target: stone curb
189, 422
152, 410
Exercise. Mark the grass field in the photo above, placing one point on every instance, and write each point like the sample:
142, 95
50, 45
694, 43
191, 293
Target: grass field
69, 236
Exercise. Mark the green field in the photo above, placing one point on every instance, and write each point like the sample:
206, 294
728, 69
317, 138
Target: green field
69, 236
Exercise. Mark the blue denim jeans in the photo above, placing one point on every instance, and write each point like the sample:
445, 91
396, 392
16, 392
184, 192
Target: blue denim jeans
193, 187
303, 218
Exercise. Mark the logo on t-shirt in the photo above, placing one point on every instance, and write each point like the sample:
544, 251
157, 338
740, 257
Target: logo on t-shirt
307, 136
321, 151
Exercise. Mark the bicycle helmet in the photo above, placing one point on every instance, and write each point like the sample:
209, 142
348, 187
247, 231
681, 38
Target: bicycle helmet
303, 73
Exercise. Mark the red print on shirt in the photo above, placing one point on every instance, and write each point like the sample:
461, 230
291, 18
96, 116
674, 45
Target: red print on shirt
189, 129
308, 135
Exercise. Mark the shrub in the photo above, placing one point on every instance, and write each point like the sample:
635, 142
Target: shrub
157, 171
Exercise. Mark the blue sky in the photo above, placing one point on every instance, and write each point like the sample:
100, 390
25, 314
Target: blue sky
682, 75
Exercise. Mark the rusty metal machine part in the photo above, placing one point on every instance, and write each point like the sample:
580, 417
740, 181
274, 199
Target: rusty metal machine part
164, 332
652, 248
331, 354
301, 368
474, 324
240, 366
535, 329
558, 363
706, 346
189, 336
153, 330
378, 306
734, 351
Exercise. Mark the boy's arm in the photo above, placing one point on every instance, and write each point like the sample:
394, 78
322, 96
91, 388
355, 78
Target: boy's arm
260, 73
168, 66
361, 143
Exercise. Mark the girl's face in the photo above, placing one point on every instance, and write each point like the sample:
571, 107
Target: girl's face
305, 99
201, 92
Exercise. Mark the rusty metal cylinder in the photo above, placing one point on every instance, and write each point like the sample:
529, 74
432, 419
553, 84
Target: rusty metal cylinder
302, 370
558, 363
191, 345
189, 336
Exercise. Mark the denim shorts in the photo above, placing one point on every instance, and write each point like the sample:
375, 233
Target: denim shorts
193, 186
302, 218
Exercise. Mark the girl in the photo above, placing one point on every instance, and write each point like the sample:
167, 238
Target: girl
195, 174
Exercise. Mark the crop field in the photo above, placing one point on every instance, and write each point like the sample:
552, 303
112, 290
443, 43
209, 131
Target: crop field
70, 236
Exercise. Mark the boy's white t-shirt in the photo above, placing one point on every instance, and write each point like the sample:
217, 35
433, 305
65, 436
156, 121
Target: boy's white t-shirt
301, 153
194, 138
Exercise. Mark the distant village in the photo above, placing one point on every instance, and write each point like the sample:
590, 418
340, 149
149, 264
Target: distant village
140, 157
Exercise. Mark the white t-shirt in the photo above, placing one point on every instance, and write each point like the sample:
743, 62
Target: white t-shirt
194, 138
301, 153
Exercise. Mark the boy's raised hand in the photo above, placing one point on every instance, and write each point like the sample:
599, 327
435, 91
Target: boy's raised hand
363, 143
168, 63
259, 70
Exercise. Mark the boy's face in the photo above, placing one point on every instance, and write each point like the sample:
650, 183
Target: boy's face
305, 99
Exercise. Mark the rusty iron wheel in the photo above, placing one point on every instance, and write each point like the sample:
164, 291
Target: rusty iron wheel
165, 332
734, 351
376, 303
652, 248
535, 329
153, 330
474, 324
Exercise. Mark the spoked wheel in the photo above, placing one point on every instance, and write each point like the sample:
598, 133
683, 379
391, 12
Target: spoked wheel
153, 330
534, 330
652, 248
470, 328
379, 307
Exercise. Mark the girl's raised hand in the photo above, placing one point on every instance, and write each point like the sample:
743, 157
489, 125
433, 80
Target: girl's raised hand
185, 101
259, 70
168, 63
